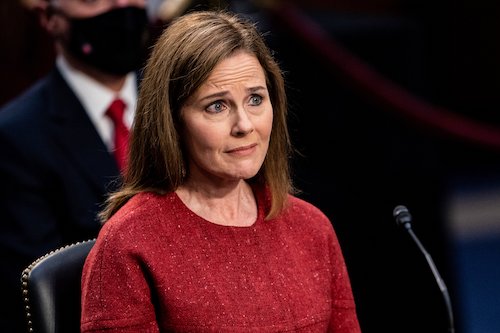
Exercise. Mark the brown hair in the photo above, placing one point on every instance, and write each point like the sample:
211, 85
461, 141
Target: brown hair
181, 60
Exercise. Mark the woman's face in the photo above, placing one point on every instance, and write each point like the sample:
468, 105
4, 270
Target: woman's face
228, 121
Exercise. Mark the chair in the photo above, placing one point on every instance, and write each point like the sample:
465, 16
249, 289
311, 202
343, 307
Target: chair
51, 289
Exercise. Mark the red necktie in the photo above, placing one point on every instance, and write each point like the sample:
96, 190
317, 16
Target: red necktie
115, 112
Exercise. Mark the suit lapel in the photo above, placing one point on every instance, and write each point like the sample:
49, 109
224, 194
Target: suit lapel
76, 135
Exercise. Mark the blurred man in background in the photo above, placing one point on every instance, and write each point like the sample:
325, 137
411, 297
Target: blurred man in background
57, 142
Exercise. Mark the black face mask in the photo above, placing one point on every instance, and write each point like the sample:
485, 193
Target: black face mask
114, 42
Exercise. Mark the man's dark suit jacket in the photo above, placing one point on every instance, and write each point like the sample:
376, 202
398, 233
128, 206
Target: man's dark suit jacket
54, 174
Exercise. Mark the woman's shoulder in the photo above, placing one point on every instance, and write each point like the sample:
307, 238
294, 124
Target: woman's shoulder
139, 229
302, 206
142, 214
306, 214
304, 220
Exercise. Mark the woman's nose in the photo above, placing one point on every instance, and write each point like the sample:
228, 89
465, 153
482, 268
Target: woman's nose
243, 123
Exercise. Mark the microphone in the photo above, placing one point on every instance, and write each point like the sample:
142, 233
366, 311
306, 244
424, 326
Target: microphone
403, 218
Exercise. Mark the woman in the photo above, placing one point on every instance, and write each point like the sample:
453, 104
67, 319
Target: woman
206, 234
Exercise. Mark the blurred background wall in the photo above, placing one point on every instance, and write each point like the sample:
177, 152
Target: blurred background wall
430, 143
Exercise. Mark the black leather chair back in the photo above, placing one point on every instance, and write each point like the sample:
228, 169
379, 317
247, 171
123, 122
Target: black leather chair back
52, 291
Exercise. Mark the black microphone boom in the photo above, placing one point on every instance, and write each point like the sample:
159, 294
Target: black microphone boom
403, 218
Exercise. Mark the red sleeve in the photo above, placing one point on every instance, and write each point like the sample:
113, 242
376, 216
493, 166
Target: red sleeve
344, 318
115, 290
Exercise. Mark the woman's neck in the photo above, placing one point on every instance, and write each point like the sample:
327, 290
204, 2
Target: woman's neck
230, 206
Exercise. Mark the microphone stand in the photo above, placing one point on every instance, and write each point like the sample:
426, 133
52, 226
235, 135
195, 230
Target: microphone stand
403, 218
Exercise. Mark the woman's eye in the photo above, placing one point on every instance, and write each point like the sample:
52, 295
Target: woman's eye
255, 100
216, 107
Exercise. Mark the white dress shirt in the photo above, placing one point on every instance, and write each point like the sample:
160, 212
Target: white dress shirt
96, 98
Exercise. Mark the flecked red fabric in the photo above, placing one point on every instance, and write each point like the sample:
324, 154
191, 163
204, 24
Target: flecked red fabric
158, 267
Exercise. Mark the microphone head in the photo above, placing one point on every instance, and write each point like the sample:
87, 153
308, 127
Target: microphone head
402, 216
